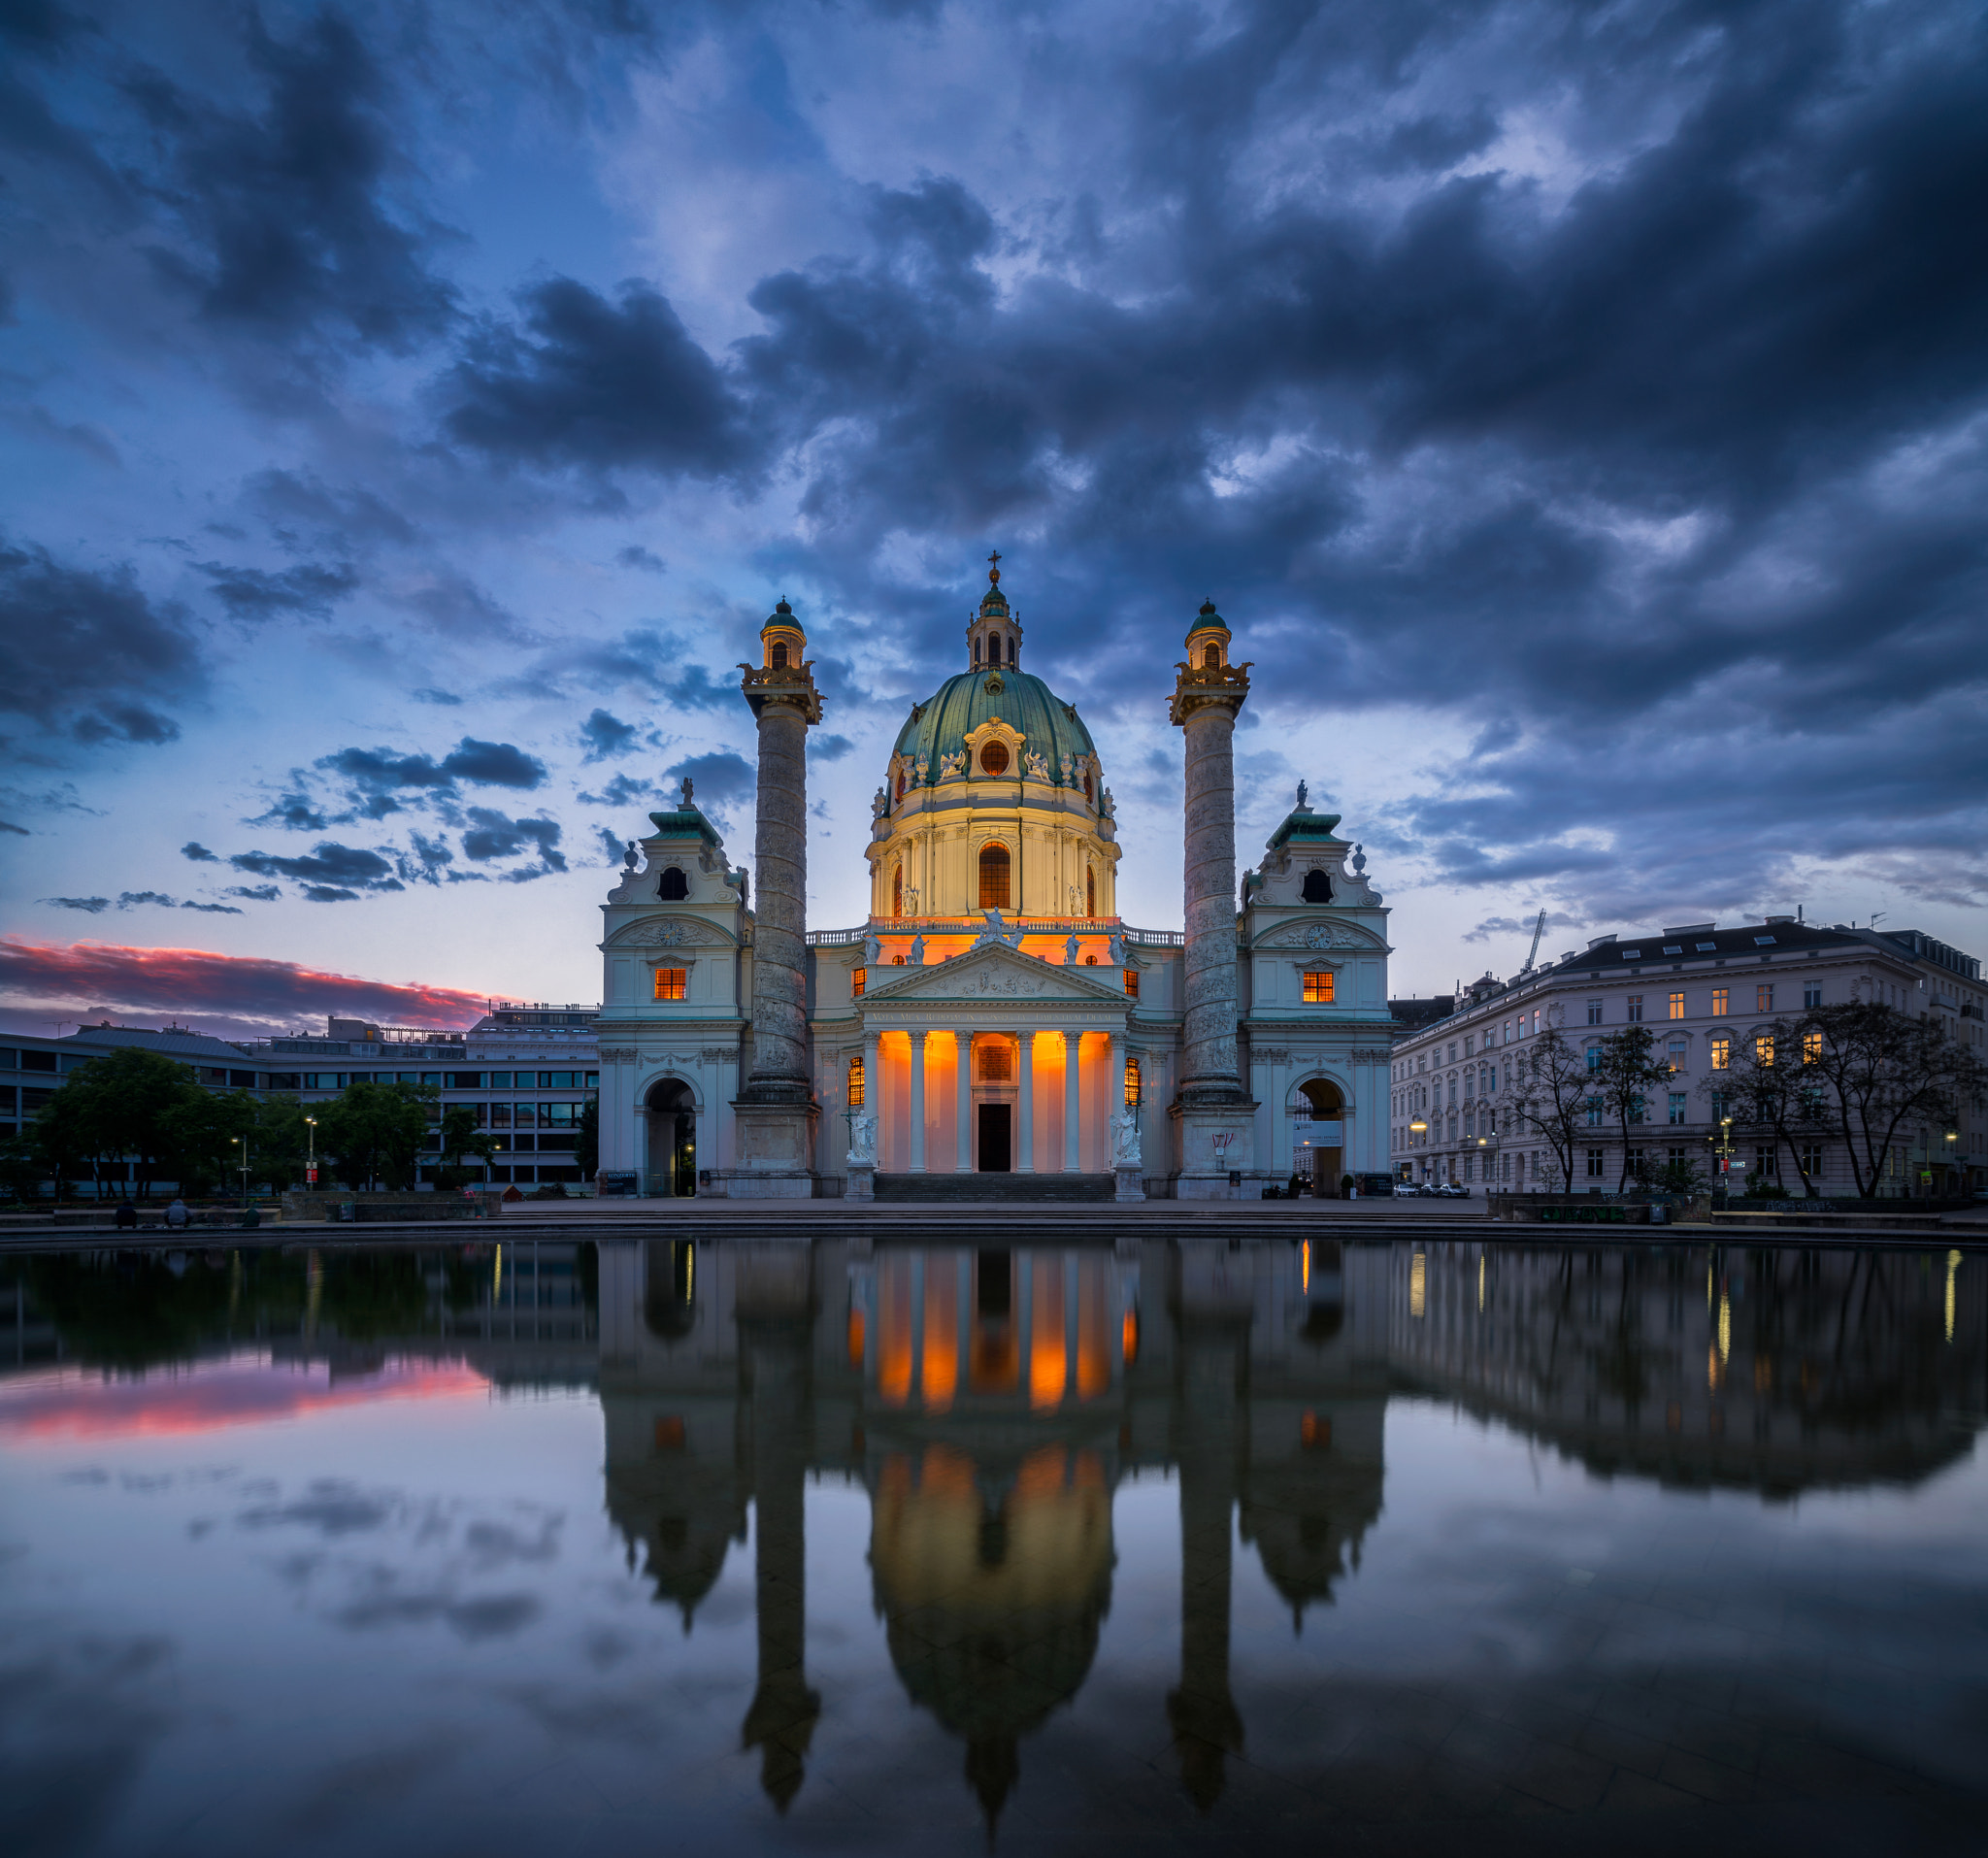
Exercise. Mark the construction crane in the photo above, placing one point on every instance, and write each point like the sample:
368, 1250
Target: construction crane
1538, 930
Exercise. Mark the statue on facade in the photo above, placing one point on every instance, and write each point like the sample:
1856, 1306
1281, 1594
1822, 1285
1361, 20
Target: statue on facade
1036, 768
873, 952
1359, 862
994, 930
1108, 806
863, 1140
1124, 1139
1117, 946
916, 958
953, 767
1070, 947
629, 857
1304, 804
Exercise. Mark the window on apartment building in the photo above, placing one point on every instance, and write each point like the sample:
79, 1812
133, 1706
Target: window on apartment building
1594, 1057
1676, 1157
1675, 1054
856, 1083
1636, 1009
1811, 996
1594, 1012
1317, 985
1452, 1051
1677, 1106
1764, 1001
1595, 1157
1764, 1162
1466, 1045
1764, 1047
1635, 1163
1720, 1045
1636, 1109
672, 982
1721, 999
1811, 1158
1677, 1006
1594, 1110
1812, 1047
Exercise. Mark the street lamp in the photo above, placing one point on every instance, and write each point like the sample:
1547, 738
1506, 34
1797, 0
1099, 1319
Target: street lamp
311, 1170
1489, 1145
1723, 1149
240, 1142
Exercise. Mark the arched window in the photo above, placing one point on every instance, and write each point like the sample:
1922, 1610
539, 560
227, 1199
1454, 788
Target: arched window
855, 1083
675, 886
780, 657
1087, 794
976, 651
1132, 1083
897, 891
1011, 649
900, 783
1317, 887
1090, 891
1212, 658
994, 758
993, 876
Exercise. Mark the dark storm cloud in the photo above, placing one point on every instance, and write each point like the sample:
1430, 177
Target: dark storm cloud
595, 384
493, 835
828, 747
606, 736
282, 214
255, 894
90, 906
89, 654
641, 659
338, 516
720, 776
257, 593
622, 791
333, 874
296, 811
198, 852
377, 777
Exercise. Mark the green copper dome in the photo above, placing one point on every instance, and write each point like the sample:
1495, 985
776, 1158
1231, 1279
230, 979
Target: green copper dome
939, 727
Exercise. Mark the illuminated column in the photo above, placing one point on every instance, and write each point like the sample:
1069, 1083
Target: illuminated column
963, 1046
917, 1161
1025, 1161
775, 1110
1073, 1103
1215, 1114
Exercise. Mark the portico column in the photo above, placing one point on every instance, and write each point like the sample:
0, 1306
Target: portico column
1073, 1102
963, 1046
873, 1085
917, 1166
1027, 1106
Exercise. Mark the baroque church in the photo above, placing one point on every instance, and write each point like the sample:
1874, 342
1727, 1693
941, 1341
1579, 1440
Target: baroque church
994, 1017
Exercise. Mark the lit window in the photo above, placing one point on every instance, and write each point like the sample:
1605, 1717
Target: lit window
994, 758
780, 657
1812, 1047
1765, 1001
1090, 891
856, 1083
672, 982
1318, 987
1720, 999
1676, 1006
994, 873
858, 979
897, 891
1132, 1083
1764, 1047
1132, 982
1721, 1049
1212, 658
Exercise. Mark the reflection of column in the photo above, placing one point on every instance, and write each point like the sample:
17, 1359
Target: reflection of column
1073, 1103
780, 1720
1025, 1161
1207, 1725
963, 1052
917, 1162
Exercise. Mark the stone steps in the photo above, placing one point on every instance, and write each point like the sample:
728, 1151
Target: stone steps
1009, 1189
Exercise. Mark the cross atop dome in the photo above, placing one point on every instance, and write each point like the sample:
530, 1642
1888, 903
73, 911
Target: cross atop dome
994, 632
994, 568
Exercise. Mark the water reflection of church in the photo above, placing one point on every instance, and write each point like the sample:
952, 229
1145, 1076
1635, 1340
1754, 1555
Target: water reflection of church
991, 1401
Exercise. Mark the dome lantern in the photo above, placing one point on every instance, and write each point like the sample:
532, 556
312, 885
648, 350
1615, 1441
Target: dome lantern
994, 633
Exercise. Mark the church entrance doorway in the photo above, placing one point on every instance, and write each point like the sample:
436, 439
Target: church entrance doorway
671, 1141
996, 1123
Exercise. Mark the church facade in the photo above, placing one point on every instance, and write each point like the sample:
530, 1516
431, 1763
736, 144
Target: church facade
993, 1016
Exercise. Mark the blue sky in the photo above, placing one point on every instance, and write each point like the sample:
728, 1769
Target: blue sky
408, 413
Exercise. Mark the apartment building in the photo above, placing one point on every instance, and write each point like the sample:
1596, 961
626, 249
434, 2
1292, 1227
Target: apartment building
1702, 991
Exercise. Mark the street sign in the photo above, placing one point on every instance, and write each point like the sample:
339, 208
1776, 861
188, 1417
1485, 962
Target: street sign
310, 1177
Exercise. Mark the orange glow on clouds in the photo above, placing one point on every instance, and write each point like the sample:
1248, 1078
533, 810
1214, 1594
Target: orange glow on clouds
65, 1404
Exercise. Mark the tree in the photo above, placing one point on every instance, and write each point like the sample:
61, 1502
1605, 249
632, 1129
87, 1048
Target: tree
374, 1132
1880, 1072
130, 1104
61, 1137
281, 1139
1627, 1077
460, 1136
1768, 1091
587, 1144
1552, 1085
202, 1135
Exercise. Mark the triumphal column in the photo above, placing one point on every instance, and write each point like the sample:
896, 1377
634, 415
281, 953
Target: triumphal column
775, 1110
1214, 1114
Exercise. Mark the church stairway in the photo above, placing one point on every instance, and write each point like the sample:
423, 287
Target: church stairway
1011, 1188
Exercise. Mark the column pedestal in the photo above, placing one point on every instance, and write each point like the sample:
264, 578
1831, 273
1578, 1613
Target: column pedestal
861, 1181
776, 1152
1216, 1139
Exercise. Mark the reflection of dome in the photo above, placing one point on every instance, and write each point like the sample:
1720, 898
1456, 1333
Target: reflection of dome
1307, 1514
993, 1607
941, 723
684, 1510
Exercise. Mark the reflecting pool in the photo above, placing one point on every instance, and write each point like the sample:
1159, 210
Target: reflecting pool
690, 1546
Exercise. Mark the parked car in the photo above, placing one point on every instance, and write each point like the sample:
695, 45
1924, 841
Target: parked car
1451, 1190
